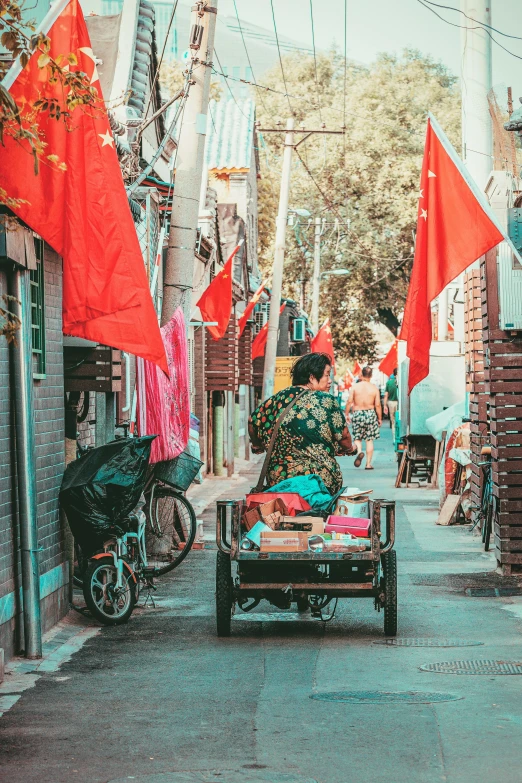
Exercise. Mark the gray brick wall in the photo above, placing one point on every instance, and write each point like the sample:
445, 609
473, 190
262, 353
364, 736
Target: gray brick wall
50, 458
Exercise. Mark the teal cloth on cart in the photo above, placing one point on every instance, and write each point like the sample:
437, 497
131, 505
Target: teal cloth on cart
311, 488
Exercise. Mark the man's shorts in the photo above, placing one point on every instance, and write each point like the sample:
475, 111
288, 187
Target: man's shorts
365, 425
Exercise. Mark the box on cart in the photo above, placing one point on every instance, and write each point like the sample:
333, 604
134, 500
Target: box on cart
284, 541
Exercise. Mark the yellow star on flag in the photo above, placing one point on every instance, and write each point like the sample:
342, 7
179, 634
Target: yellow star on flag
107, 138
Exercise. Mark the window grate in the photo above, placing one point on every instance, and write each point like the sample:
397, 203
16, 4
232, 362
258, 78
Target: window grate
38, 309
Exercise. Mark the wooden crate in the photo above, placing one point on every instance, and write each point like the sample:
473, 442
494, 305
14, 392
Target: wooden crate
92, 369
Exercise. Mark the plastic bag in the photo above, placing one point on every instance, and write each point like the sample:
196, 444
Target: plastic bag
102, 487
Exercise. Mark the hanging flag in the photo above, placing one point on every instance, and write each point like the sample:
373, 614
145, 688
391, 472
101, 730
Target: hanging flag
215, 303
322, 342
455, 227
357, 370
259, 341
348, 379
390, 361
77, 202
250, 306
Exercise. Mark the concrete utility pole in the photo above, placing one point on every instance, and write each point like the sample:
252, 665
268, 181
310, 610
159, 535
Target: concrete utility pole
279, 253
476, 78
179, 268
316, 281
279, 258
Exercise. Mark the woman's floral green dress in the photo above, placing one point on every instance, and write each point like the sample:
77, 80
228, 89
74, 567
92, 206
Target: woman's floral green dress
308, 439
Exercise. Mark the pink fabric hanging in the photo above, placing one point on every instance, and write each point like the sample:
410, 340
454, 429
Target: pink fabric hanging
164, 403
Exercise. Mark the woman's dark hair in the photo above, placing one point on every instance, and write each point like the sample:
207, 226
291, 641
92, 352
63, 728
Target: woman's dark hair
310, 364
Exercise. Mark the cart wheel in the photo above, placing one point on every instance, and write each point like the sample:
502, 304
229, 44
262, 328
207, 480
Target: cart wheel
223, 594
389, 565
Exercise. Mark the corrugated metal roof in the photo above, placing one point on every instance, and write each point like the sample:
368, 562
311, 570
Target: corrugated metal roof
230, 132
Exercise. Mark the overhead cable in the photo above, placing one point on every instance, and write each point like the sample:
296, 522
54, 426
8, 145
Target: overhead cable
156, 75
228, 87
465, 27
280, 58
248, 58
315, 58
472, 19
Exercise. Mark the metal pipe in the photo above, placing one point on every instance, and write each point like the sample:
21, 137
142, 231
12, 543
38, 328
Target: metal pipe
127, 406
22, 353
231, 415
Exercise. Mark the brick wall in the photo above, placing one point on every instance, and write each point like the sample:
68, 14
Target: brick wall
50, 463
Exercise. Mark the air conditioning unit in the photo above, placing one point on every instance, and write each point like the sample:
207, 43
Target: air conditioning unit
261, 314
501, 194
298, 330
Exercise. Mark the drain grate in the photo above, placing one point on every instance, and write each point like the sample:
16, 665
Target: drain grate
385, 697
474, 667
428, 643
492, 592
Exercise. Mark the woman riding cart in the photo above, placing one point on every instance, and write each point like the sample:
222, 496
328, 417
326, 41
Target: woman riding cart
308, 424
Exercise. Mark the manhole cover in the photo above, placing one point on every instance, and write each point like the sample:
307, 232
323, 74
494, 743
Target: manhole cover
474, 667
428, 643
492, 592
385, 697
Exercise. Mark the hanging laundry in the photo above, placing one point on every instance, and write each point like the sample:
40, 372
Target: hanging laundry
164, 403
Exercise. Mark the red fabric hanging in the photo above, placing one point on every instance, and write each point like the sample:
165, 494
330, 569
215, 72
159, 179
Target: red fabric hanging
164, 403
215, 303
81, 208
248, 309
259, 342
390, 361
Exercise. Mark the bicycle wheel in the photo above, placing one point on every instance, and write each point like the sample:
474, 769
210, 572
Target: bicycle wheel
171, 530
110, 605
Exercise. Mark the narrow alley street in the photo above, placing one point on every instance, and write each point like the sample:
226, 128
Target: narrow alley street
163, 700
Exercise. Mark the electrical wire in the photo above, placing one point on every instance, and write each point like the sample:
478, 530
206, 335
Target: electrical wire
315, 58
156, 75
482, 24
280, 58
367, 253
228, 86
248, 58
464, 27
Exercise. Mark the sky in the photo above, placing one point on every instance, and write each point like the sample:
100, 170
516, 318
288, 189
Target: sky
375, 26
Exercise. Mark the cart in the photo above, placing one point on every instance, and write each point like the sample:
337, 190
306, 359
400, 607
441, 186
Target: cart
306, 578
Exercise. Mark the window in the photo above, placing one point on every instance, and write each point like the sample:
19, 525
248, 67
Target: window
38, 310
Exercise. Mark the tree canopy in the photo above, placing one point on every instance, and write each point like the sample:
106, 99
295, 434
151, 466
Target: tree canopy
364, 184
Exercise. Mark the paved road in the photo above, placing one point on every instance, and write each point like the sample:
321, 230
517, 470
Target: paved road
162, 700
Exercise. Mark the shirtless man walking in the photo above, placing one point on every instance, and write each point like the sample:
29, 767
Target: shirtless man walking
365, 401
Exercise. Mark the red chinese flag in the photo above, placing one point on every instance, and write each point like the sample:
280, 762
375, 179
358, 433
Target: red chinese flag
250, 306
357, 370
77, 201
259, 341
322, 342
348, 380
455, 227
390, 361
215, 303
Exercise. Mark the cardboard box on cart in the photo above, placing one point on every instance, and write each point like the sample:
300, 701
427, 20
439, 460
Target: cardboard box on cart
270, 513
284, 541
